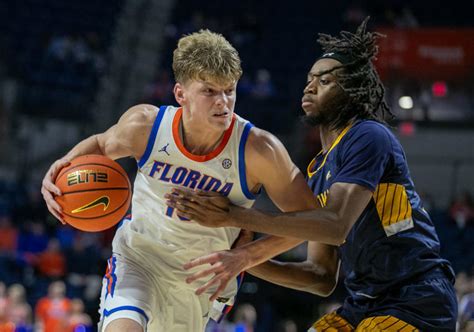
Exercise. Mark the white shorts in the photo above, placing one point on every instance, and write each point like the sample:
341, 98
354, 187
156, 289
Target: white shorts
129, 291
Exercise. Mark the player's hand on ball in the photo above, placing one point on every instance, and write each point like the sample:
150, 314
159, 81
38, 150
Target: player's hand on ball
225, 265
49, 189
206, 208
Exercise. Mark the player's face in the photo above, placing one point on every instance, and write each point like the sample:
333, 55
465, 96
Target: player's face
207, 103
322, 95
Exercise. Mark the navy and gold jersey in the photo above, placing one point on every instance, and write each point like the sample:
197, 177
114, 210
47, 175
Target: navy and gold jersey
394, 239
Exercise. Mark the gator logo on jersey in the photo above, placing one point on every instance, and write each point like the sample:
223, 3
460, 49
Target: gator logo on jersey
227, 163
188, 178
104, 200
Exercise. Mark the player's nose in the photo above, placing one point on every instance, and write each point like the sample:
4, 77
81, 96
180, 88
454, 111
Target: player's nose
310, 88
221, 100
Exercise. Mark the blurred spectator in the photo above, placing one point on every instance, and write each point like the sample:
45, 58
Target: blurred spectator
245, 86
425, 99
263, 87
406, 19
246, 31
245, 318
466, 312
3, 303
18, 312
51, 263
78, 320
160, 92
287, 325
462, 210
8, 236
52, 311
353, 16
65, 235
59, 48
31, 242
428, 201
81, 262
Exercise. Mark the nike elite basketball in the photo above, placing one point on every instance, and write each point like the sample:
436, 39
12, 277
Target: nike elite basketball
95, 193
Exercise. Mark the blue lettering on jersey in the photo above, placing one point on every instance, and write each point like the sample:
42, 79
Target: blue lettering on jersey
188, 178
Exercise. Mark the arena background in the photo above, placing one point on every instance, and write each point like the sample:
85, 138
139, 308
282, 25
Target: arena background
68, 69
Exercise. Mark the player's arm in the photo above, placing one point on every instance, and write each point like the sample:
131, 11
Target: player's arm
330, 225
126, 138
318, 274
268, 164
364, 159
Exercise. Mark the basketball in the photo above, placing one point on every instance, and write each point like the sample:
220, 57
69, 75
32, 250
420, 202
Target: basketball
95, 193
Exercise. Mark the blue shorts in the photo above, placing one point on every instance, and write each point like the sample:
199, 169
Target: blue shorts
428, 303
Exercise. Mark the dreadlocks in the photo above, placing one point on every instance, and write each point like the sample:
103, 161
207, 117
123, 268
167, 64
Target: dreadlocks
359, 79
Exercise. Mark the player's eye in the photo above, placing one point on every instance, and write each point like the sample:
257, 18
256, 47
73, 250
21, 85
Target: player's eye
323, 81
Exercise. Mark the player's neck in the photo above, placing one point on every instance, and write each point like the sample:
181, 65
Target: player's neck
197, 140
328, 136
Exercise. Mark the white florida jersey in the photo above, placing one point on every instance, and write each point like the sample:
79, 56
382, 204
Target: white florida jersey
155, 233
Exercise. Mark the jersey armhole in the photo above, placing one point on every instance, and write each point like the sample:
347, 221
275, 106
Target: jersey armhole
242, 172
151, 139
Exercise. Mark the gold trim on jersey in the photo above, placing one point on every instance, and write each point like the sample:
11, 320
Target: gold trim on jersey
336, 142
393, 207
332, 322
323, 198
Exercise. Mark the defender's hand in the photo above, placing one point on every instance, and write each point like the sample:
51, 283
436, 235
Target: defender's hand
225, 265
206, 208
49, 190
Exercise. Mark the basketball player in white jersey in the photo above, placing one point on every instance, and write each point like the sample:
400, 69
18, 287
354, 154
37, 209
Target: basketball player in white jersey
201, 145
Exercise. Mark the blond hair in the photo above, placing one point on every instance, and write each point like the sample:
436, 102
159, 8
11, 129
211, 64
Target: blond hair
206, 56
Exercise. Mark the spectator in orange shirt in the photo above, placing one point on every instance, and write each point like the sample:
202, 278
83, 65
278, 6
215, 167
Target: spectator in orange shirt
18, 311
51, 263
52, 311
8, 235
78, 318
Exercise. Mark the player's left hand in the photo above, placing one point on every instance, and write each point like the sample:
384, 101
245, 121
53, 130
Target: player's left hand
206, 208
225, 265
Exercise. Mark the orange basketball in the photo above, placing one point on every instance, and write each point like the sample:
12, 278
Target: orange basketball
95, 193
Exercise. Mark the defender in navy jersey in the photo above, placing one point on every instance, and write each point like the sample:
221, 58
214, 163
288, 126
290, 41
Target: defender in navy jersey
368, 207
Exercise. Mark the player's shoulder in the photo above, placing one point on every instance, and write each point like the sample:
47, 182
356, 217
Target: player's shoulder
370, 130
140, 114
262, 144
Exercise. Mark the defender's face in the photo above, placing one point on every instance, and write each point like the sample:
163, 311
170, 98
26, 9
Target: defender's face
321, 94
207, 103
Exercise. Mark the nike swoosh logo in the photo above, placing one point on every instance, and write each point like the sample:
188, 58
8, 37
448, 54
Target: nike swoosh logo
104, 200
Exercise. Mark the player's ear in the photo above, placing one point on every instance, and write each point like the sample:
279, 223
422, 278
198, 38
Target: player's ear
179, 93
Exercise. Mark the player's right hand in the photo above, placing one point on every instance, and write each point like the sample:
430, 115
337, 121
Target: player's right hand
49, 189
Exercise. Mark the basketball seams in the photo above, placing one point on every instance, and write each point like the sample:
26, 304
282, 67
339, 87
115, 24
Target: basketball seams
96, 189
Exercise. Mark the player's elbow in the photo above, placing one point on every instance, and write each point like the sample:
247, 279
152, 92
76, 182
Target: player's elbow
323, 288
341, 228
324, 279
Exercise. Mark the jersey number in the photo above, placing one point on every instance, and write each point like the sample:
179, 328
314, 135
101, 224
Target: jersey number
170, 212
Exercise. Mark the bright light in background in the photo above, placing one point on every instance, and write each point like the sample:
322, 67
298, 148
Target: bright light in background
439, 89
405, 102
